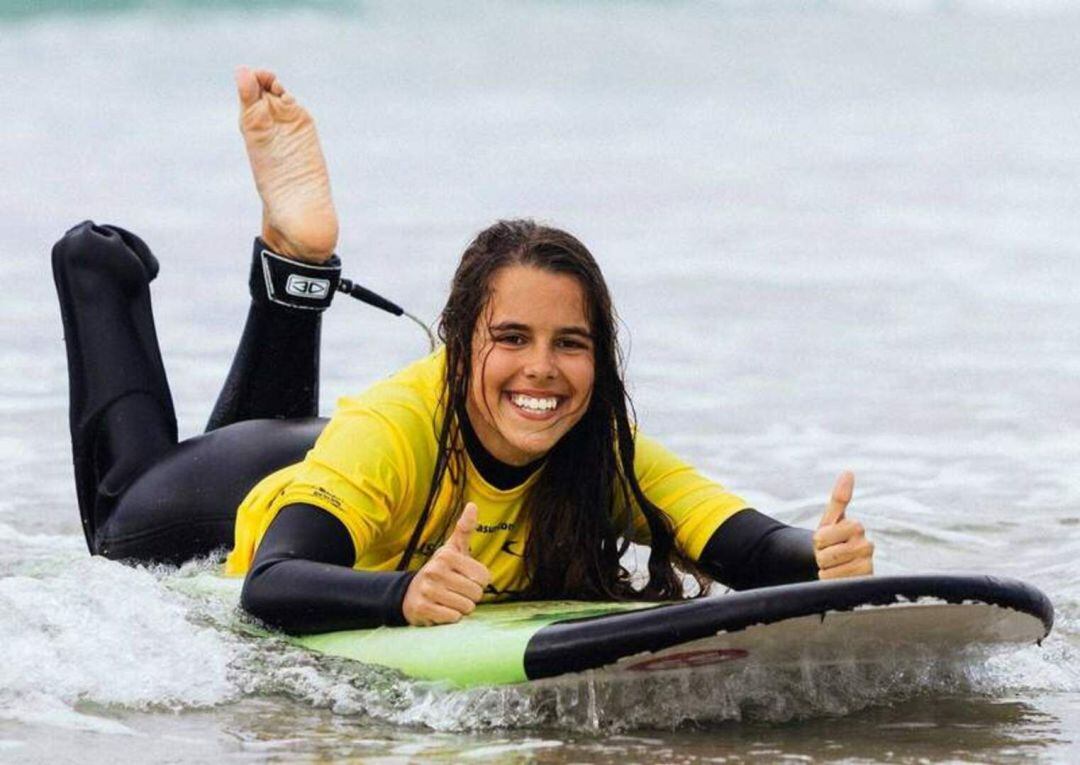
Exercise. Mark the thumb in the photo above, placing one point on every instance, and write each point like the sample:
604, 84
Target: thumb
466, 525
838, 502
247, 86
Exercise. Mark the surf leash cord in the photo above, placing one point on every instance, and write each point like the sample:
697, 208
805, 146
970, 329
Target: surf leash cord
364, 295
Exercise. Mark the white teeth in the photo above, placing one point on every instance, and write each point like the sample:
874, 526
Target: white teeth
534, 404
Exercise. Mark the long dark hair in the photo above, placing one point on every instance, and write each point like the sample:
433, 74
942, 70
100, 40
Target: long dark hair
579, 513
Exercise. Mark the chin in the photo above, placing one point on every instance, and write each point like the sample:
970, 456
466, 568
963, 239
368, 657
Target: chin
533, 446
532, 450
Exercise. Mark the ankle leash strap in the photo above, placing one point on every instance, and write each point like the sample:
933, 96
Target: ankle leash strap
292, 283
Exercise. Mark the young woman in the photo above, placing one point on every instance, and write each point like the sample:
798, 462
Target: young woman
505, 464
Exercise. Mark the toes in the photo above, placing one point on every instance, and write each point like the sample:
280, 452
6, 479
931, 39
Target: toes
252, 83
269, 82
247, 86
285, 110
264, 101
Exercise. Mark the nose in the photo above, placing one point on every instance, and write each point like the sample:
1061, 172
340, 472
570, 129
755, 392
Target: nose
540, 364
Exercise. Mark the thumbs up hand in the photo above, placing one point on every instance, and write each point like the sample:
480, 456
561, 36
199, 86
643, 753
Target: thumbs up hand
449, 585
840, 544
463, 530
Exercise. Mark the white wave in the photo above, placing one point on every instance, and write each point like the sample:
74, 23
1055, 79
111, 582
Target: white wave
592, 702
91, 630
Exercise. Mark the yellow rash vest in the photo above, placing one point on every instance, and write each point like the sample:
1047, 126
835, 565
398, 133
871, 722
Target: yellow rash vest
371, 468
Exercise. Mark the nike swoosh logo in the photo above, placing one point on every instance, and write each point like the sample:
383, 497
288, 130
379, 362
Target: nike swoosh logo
507, 545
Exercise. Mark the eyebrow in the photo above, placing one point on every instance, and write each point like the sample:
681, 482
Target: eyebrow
518, 326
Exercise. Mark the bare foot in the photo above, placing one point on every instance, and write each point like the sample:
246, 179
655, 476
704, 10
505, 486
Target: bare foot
299, 219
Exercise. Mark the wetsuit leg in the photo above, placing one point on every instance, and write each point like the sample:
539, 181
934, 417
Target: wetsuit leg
121, 410
141, 495
275, 372
184, 506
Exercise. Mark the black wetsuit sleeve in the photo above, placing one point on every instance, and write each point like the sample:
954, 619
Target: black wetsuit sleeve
302, 580
751, 550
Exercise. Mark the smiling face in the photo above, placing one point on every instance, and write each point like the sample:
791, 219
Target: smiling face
532, 363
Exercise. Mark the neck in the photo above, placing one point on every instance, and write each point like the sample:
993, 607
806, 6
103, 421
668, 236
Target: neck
492, 442
499, 474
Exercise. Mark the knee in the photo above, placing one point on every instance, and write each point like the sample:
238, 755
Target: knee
87, 249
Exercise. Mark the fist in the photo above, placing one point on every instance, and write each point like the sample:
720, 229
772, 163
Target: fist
449, 585
840, 544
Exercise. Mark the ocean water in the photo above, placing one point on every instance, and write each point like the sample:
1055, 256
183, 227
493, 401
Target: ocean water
839, 234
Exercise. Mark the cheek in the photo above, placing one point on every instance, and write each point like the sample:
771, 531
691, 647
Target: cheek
476, 391
582, 376
489, 378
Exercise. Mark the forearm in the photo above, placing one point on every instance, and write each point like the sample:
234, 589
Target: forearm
303, 596
752, 550
302, 580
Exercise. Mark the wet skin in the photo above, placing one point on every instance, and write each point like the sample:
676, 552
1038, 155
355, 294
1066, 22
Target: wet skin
532, 363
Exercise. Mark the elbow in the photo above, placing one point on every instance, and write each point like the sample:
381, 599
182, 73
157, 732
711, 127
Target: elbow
257, 599
253, 597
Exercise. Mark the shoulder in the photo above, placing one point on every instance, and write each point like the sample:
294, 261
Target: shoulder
650, 455
400, 413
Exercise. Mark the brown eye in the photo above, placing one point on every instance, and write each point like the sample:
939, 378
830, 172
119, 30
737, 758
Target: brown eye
571, 344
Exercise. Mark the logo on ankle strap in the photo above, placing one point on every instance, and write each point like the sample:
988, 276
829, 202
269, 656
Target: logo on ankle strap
307, 287
293, 283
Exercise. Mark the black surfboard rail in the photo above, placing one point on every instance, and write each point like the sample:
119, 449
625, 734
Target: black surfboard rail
576, 645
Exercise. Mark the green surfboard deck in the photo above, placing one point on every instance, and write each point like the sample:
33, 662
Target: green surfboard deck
485, 648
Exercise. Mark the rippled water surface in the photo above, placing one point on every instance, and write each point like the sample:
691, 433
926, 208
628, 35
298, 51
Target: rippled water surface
839, 235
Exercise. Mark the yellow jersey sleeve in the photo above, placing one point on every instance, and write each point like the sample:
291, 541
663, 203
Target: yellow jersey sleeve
361, 470
696, 505
370, 467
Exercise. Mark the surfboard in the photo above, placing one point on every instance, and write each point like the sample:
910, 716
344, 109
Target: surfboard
842, 621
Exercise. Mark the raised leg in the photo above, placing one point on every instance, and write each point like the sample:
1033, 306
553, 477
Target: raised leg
275, 371
141, 495
121, 410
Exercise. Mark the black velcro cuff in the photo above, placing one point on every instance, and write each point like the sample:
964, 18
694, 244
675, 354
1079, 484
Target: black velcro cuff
292, 283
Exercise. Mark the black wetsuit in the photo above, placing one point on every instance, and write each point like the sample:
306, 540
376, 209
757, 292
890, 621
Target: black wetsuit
144, 497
